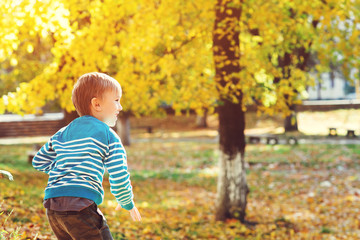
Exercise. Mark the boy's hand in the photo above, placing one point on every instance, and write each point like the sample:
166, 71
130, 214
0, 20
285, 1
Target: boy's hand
135, 215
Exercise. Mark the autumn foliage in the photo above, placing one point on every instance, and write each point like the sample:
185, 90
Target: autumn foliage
161, 51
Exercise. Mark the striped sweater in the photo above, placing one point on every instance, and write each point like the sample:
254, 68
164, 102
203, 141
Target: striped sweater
75, 158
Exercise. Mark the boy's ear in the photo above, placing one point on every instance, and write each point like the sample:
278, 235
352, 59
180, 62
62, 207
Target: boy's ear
96, 104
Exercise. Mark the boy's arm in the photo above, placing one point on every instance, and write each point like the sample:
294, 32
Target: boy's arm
43, 159
119, 177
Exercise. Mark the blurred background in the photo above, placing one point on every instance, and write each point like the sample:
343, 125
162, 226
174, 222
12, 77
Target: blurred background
201, 80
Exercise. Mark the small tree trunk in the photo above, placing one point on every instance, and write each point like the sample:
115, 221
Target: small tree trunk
201, 120
290, 123
319, 91
357, 88
69, 116
123, 128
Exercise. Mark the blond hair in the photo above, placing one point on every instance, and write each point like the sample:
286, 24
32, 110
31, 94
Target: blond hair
92, 85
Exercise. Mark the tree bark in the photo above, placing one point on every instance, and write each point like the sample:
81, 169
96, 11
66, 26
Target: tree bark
69, 116
123, 128
201, 120
290, 123
232, 188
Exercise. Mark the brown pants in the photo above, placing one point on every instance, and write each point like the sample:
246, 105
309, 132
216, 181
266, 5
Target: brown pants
86, 224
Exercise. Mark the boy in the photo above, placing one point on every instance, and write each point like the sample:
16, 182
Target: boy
75, 158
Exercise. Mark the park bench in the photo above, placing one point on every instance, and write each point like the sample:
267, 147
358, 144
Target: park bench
149, 129
274, 139
271, 139
350, 133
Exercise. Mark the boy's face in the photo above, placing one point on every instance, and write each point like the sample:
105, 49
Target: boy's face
108, 108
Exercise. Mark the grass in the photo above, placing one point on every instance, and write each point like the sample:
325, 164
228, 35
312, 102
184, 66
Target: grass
175, 191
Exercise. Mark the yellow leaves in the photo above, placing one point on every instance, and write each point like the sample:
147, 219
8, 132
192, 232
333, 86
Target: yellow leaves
144, 36
29, 48
351, 198
28, 96
257, 39
147, 229
262, 77
122, 38
352, 178
35, 218
145, 204
13, 62
10, 37
220, 33
227, 62
2, 106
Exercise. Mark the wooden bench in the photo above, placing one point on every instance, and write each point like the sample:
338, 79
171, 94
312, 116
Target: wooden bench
332, 132
350, 133
271, 139
149, 129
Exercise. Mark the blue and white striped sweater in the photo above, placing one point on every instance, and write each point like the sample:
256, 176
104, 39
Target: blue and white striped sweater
76, 157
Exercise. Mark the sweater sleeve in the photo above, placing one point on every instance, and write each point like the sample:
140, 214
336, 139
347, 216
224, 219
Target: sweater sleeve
44, 159
119, 177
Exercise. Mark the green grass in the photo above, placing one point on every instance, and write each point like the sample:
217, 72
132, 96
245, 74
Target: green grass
14, 157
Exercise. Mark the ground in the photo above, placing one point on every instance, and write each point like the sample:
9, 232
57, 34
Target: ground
303, 191
296, 192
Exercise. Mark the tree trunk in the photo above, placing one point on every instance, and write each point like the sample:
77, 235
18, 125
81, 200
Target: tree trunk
232, 187
123, 128
201, 120
290, 123
319, 91
69, 117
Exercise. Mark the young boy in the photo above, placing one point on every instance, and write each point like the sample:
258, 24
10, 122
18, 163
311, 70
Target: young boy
75, 158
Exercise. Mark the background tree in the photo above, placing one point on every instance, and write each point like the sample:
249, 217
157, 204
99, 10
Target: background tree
156, 51
29, 30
